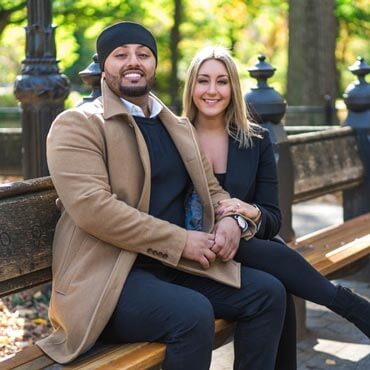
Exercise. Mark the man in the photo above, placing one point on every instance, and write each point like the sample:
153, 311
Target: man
124, 268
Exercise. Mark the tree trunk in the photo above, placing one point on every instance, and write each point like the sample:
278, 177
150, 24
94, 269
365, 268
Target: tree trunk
312, 73
175, 56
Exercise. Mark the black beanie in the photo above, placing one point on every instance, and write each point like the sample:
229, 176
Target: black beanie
120, 34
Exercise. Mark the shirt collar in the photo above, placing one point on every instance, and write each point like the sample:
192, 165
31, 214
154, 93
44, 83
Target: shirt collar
154, 106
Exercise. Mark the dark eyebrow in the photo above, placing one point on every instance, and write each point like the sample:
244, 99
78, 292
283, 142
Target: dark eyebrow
145, 48
125, 46
205, 75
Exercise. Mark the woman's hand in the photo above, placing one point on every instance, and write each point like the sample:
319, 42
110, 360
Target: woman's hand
235, 205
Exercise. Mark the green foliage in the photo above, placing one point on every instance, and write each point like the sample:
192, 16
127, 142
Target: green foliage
355, 16
247, 27
353, 38
8, 99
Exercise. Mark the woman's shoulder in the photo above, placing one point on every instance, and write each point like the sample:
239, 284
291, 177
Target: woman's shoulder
260, 135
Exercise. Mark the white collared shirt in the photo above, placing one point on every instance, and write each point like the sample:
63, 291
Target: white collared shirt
154, 106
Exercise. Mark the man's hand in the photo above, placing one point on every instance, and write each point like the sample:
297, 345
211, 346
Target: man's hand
198, 247
227, 239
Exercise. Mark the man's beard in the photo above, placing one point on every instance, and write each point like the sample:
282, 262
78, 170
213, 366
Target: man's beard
134, 91
114, 83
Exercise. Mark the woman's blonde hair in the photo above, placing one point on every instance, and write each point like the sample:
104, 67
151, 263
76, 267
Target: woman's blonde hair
238, 121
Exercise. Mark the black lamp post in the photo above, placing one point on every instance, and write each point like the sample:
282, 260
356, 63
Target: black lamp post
268, 107
40, 88
357, 99
91, 77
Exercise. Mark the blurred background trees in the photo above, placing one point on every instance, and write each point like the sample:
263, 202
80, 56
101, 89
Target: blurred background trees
310, 42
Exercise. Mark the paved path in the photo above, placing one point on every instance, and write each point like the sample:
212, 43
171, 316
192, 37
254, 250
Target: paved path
331, 342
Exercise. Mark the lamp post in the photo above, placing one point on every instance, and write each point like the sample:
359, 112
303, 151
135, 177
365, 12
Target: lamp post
268, 107
357, 99
40, 88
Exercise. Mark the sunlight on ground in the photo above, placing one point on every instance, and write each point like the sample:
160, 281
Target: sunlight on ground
345, 351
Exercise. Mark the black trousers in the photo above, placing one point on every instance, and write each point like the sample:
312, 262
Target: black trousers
165, 305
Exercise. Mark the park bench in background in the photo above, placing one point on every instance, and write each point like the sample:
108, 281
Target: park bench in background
323, 162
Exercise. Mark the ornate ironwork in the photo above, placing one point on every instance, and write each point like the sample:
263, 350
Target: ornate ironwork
91, 77
357, 94
357, 98
266, 104
41, 88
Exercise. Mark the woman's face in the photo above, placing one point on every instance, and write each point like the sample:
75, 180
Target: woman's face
212, 90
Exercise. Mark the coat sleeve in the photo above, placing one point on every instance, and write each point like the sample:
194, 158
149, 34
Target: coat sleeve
77, 163
266, 190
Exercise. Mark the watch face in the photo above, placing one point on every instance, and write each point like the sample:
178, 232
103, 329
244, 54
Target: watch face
241, 222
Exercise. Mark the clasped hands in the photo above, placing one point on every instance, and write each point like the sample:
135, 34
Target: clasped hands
223, 243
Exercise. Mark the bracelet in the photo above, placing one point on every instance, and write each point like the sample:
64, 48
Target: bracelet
257, 218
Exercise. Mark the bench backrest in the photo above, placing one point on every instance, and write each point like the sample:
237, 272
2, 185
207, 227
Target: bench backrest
322, 162
28, 216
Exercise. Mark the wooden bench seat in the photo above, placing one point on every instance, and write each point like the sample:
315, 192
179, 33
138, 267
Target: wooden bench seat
334, 247
109, 357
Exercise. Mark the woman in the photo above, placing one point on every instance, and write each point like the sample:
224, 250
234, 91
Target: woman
242, 158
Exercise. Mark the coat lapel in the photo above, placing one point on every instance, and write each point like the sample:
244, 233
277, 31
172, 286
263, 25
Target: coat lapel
185, 142
113, 107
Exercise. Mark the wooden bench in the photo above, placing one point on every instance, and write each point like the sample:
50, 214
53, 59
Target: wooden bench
28, 217
326, 162
27, 221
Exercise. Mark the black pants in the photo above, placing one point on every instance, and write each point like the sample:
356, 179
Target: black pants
164, 305
287, 265
297, 276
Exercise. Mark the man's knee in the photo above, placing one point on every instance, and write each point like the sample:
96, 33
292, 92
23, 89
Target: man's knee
275, 290
270, 290
197, 316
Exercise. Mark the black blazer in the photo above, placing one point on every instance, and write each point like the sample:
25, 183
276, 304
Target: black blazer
252, 177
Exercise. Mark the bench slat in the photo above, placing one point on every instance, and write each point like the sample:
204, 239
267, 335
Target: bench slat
30, 358
347, 229
319, 167
25, 282
27, 226
348, 254
335, 247
143, 358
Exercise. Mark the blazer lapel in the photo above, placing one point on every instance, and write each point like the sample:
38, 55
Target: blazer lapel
185, 142
241, 167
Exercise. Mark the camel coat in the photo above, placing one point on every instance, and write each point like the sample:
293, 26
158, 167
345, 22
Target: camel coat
100, 167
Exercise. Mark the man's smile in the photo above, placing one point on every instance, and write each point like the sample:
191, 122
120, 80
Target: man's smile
133, 76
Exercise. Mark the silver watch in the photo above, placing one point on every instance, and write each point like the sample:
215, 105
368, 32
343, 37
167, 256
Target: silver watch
242, 222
